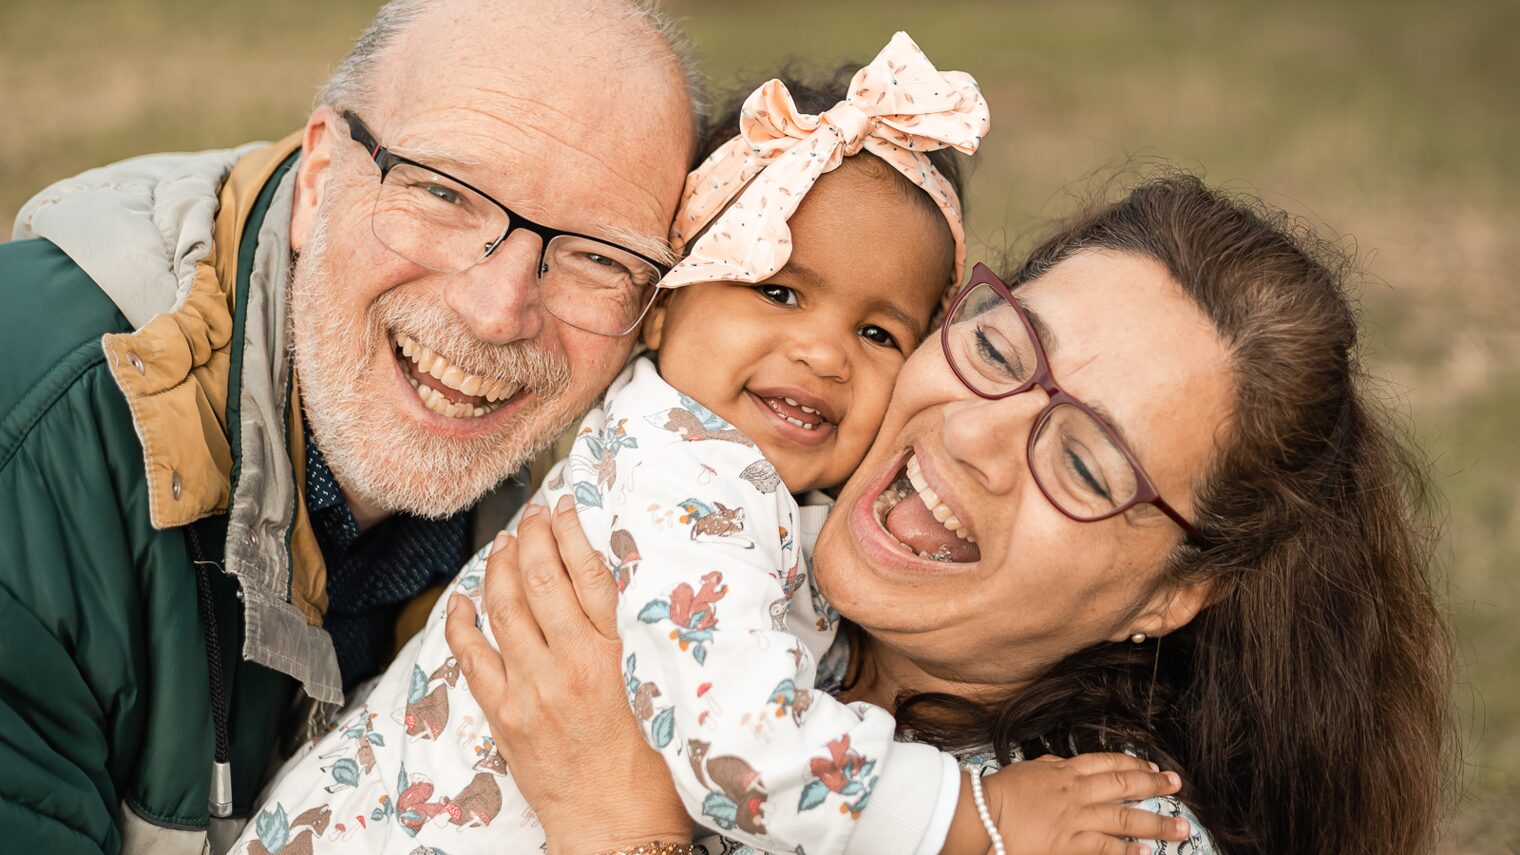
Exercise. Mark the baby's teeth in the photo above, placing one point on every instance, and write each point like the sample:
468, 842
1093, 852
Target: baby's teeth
790, 401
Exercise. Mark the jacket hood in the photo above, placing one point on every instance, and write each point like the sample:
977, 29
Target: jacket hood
137, 227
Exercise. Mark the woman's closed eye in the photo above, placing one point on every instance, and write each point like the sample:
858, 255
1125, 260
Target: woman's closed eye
1005, 361
778, 294
1079, 462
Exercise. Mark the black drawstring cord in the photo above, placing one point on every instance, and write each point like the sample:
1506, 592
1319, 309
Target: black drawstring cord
220, 800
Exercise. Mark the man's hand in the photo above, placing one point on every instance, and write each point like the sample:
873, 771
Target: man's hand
1068, 806
554, 694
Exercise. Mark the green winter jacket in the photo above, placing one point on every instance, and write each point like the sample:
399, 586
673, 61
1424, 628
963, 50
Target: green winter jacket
153, 539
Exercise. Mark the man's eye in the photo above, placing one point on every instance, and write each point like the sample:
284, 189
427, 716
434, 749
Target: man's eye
877, 335
445, 194
778, 294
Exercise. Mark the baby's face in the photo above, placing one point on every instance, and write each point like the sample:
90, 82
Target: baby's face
804, 362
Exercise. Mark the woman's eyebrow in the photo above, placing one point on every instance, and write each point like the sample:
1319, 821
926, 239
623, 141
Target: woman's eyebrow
1048, 339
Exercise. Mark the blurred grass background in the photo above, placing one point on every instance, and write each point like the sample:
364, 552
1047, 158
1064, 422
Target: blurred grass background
1395, 122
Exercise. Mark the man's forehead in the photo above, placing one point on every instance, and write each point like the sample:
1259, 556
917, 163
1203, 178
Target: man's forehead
507, 99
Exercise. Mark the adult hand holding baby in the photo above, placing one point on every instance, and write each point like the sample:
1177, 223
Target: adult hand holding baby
553, 694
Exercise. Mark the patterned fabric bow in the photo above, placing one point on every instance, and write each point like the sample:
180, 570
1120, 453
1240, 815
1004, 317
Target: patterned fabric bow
899, 107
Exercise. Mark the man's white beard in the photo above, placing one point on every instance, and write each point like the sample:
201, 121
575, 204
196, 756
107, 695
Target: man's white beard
380, 453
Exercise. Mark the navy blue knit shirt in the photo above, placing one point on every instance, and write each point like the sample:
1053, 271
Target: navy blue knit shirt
372, 575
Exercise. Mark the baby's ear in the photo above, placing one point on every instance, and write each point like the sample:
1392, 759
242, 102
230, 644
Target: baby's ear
653, 331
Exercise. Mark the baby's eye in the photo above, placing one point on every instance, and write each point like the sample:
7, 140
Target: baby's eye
778, 294
877, 335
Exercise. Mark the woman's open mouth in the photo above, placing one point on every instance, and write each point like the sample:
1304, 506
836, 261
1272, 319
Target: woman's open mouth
445, 388
919, 522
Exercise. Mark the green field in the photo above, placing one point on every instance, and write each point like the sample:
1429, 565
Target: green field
1386, 120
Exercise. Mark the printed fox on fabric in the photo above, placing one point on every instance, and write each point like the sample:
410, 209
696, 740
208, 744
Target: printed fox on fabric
427, 712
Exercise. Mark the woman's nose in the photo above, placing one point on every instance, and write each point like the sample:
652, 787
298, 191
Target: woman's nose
499, 297
991, 438
821, 352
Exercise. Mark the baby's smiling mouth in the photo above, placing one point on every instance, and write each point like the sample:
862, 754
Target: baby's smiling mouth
796, 412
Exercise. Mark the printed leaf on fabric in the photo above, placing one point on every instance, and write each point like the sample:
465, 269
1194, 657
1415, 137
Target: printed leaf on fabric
663, 727
272, 828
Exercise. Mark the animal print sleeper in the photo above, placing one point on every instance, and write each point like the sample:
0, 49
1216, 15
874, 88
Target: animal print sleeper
722, 633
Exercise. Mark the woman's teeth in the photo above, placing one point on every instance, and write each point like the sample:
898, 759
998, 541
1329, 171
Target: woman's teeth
429, 364
931, 501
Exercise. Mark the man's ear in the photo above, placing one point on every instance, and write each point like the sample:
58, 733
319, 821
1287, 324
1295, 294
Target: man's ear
654, 323
323, 128
1170, 608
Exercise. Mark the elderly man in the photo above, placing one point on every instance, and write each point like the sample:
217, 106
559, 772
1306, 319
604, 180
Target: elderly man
256, 401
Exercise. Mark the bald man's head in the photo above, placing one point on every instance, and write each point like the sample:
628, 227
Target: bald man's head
354, 83
576, 115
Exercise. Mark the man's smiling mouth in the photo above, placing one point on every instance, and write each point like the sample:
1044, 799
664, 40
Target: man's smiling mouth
445, 388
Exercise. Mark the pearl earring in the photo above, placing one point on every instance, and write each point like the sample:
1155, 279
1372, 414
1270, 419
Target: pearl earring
1138, 638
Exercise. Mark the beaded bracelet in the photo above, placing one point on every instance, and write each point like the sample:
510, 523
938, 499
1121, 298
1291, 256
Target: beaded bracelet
981, 810
655, 848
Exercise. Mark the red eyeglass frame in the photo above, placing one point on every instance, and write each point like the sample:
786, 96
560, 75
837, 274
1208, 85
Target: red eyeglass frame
1145, 491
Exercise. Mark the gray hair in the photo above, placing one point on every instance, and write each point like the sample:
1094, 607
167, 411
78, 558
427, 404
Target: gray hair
352, 85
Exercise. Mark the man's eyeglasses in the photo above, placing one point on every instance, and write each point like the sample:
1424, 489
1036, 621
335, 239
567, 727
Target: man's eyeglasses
1078, 461
434, 220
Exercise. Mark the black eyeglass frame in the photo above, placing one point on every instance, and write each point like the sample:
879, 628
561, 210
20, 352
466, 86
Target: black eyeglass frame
387, 160
1145, 490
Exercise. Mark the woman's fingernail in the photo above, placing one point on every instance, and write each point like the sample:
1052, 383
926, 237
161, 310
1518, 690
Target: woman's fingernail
1173, 779
1181, 826
1155, 768
565, 503
531, 511
453, 604
499, 541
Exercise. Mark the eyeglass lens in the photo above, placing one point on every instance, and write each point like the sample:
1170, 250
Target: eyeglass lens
438, 223
1073, 457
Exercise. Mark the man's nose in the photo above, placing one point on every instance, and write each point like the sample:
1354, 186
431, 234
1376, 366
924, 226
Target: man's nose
991, 438
499, 297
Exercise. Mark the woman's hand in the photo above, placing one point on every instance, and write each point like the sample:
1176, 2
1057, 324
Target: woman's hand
554, 694
1073, 805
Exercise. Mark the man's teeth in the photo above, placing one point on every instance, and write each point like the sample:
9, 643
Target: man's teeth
433, 365
941, 511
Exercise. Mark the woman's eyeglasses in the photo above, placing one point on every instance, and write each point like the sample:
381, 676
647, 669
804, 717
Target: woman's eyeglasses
1078, 460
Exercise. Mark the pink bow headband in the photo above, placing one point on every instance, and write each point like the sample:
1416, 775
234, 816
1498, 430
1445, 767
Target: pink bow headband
899, 107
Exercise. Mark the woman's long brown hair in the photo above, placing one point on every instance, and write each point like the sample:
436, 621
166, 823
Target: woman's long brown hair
1307, 708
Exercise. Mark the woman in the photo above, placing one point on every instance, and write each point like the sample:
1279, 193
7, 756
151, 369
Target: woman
1189, 538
